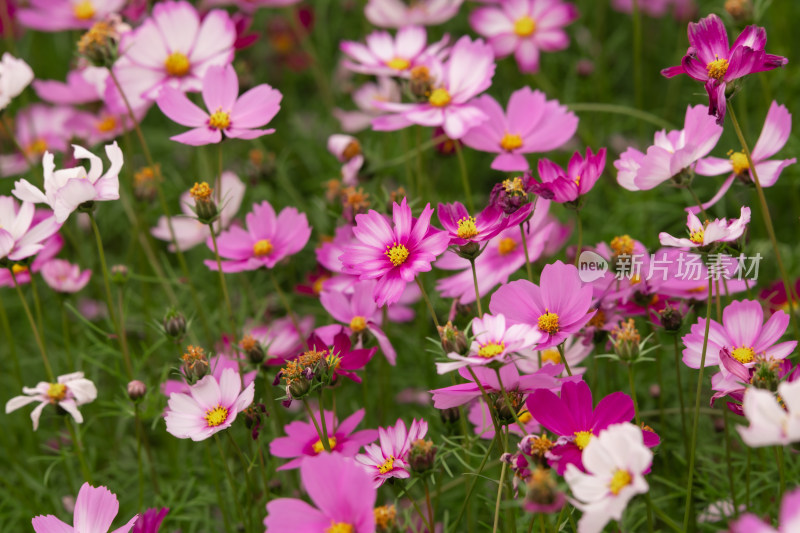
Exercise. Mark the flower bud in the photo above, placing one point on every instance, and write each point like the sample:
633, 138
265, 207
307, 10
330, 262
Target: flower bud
298, 387
671, 318
422, 456
385, 518
204, 205
451, 415
175, 325
740, 10
543, 495
766, 374
506, 412
625, 338
254, 351
119, 274
144, 183
195, 364
136, 390
471, 250
452, 339
99, 44
252, 418
420, 82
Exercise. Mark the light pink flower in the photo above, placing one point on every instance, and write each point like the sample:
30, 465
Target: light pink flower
387, 56
653, 8
20, 237
532, 124
15, 75
388, 460
524, 28
249, 6
95, 510
700, 234
347, 150
218, 364
66, 189
63, 276
38, 128
397, 13
789, 518
210, 406
576, 349
68, 392
480, 416
82, 86
365, 98
59, 15
672, 152
51, 246
280, 340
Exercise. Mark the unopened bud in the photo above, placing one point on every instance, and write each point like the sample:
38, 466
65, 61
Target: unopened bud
625, 338
175, 325
144, 183
740, 10
506, 412
119, 274
99, 44
136, 390
451, 415
471, 250
422, 456
298, 387
195, 364
420, 83
254, 351
671, 318
204, 205
766, 374
385, 518
452, 339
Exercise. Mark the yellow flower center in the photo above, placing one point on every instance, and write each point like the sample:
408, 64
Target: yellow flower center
717, 68
491, 349
697, 236
744, 355
398, 63
37, 147
340, 527
739, 162
83, 10
510, 141
439, 97
219, 119
467, 228
622, 245
319, 447
385, 516
358, 324
506, 246
216, 416
262, 248
551, 356
387, 465
107, 124
18, 269
513, 186
397, 254
619, 481
352, 149
524, 416
56, 392
582, 438
318, 283
548, 322
201, 191
524, 26
177, 64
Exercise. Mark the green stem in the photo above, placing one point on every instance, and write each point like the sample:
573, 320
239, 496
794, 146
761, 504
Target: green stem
148, 451
245, 467
500, 489
697, 201
563, 359
731, 485
488, 401
464, 177
76, 443
474, 482
580, 237
222, 507
781, 475
322, 436
325, 442
428, 501
10, 343
36, 335
633, 394
231, 481
680, 390
223, 284
475, 283
428, 302
525, 248
637, 54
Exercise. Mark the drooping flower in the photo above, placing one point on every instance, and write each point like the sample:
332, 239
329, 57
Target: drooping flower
68, 392
393, 255
397, 13
559, 306
365, 98
770, 422
384, 55
524, 28
342, 492
21, 236
302, 439
389, 459
789, 519
672, 153
579, 178
238, 117
615, 462
210, 406
68, 188
531, 124
55, 15
95, 510
150, 521
700, 234
62, 276
267, 239
15, 75
347, 150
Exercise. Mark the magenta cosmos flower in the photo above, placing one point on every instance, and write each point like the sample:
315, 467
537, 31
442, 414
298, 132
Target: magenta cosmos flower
95, 510
712, 61
672, 153
210, 406
343, 360
397, 13
393, 255
579, 178
68, 392
267, 239
464, 229
302, 439
777, 127
342, 491
150, 520
59, 15
387, 56
62, 276
704, 234
388, 460
20, 235
531, 124
789, 518
236, 117
559, 306
524, 28
466, 74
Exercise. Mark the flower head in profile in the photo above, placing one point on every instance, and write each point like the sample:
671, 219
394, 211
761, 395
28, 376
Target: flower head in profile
15, 75
568, 185
789, 519
68, 392
389, 458
700, 234
95, 510
237, 117
393, 255
772, 422
66, 189
150, 520
62, 276
347, 150
21, 235
210, 406
397, 13
384, 55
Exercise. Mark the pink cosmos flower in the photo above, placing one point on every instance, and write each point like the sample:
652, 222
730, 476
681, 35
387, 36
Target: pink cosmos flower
173, 48
280, 340
480, 417
22, 274
559, 306
57, 15
218, 364
344, 360
493, 342
347, 150
267, 239
393, 255
653, 8
464, 229
189, 232
37, 128
710, 60
532, 124
771, 422
365, 98
387, 56
302, 439
467, 73
672, 152
210, 406
576, 349
735, 381
343, 493
20, 235
579, 178
397, 13
66, 189
68, 392
15, 75
249, 6
388, 460
95, 510
63, 276
777, 127
524, 28
150, 520
700, 235
789, 520
236, 117
82, 86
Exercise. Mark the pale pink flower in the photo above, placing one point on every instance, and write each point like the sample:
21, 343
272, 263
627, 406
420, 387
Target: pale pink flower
789, 518
51, 246
20, 235
95, 510
700, 234
38, 128
68, 392
15, 75
397, 13
82, 86
249, 6
365, 97
389, 459
770, 422
59, 15
280, 340
384, 55
347, 150
63, 276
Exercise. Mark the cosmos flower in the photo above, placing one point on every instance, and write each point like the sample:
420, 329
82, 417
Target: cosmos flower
68, 392
21, 236
789, 519
347, 150
95, 510
384, 55
37, 128
343, 360
464, 229
524, 28
150, 520
397, 13
480, 417
58, 15
280, 339
576, 349
62, 276
217, 364
365, 97
388, 460
22, 273
15, 75
770, 422
705, 234
531, 124
579, 178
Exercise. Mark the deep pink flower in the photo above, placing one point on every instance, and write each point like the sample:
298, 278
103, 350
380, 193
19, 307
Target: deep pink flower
389, 459
150, 521
384, 55
59, 15
579, 178
267, 239
342, 491
532, 124
302, 439
62, 276
393, 255
344, 360
524, 28
712, 61
20, 235
397, 13
95, 510
464, 229
703, 234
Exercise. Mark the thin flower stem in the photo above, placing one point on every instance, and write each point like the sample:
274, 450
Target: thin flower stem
223, 285
76, 444
222, 507
325, 443
500, 488
322, 438
142, 436
65, 333
781, 475
464, 177
231, 481
218, 184
527, 257
680, 389
37, 305
731, 485
486, 399
428, 302
631, 382
244, 462
288, 307
428, 501
416, 506
507, 399
697, 200
475, 283
747, 478
10, 343
693, 445
474, 482
580, 237
140, 468
563, 359
36, 335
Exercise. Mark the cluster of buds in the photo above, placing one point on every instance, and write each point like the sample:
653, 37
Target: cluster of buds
252, 349
253, 418
385, 518
204, 205
513, 193
195, 364
422, 456
174, 325
100, 44
453, 340
307, 373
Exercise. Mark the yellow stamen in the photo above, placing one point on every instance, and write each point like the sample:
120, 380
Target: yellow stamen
216, 416
697, 236
744, 355
513, 186
510, 141
439, 97
319, 447
548, 322
491, 349
739, 162
551, 356
317, 285
107, 124
177, 64
19, 269
619, 481
622, 245
37, 147
56, 392
524, 26
398, 63
358, 324
201, 191
387, 465
397, 254
340, 527
467, 228
506, 246
219, 119
582, 438
83, 10
262, 248
385, 517
717, 68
